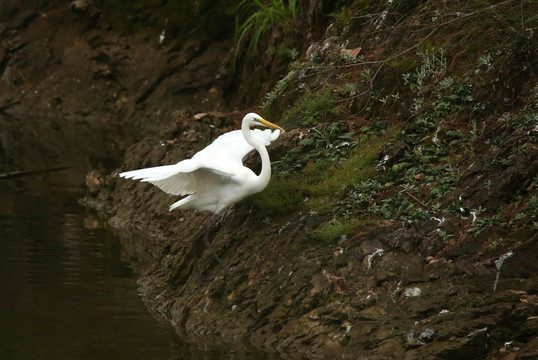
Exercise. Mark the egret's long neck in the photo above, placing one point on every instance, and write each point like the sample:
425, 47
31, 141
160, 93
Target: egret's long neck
265, 174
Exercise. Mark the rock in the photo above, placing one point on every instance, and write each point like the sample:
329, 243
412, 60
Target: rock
79, 5
475, 346
391, 154
94, 181
412, 292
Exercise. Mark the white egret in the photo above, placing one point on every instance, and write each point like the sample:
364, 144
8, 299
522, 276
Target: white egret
215, 177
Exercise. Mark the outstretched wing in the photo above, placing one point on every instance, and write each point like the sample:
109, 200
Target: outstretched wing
223, 158
230, 149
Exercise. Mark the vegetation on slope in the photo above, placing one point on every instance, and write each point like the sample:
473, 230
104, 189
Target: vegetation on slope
441, 92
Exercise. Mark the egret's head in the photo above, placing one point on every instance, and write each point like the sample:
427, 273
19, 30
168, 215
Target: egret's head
255, 119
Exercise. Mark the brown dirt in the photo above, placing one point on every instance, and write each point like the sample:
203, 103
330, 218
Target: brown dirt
390, 291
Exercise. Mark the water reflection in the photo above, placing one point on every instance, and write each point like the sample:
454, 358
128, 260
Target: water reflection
65, 291
66, 294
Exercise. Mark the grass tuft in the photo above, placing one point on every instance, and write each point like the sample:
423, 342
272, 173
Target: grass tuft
265, 18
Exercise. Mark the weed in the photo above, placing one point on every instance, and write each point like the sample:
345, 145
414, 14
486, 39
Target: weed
266, 17
477, 133
532, 207
396, 207
287, 164
434, 65
278, 88
495, 243
479, 225
378, 127
289, 53
330, 141
446, 182
359, 194
350, 89
417, 215
444, 235
485, 62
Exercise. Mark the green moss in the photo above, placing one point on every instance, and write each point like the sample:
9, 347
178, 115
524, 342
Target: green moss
403, 64
312, 109
334, 230
320, 184
329, 183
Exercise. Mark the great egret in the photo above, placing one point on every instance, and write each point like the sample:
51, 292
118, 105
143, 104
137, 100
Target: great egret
215, 177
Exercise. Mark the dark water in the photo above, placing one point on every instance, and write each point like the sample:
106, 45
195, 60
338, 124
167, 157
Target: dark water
65, 292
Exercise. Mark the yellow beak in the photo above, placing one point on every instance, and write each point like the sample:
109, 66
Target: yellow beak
269, 124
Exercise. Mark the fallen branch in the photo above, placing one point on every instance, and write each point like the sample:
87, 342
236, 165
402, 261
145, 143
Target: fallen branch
17, 174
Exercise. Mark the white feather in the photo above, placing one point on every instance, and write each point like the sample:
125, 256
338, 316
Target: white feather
216, 166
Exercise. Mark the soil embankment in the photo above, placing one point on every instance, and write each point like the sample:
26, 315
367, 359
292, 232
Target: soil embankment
401, 218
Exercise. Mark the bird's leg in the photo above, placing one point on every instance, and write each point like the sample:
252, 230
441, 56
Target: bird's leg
203, 229
213, 220
195, 253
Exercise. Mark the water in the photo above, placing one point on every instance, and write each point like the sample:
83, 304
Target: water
65, 290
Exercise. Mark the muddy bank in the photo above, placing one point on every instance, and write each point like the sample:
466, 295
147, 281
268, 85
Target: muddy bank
387, 292
81, 80
401, 218
429, 255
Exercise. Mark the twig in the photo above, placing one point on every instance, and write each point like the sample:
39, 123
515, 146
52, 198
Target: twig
16, 174
417, 200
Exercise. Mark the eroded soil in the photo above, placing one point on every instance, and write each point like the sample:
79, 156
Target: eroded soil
435, 287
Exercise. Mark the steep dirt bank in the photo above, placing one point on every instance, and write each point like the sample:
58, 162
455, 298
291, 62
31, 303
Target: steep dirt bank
431, 288
79, 81
401, 218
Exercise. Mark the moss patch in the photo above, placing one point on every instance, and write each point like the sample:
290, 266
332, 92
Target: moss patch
320, 184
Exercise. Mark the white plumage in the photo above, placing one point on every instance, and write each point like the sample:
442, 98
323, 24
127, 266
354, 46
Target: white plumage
215, 177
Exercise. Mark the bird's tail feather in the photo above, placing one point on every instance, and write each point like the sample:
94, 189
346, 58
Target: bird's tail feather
151, 174
183, 203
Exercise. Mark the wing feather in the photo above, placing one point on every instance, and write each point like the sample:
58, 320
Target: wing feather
223, 158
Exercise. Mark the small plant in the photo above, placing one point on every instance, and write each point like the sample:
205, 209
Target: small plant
477, 133
445, 183
331, 141
359, 194
417, 215
265, 18
396, 207
289, 53
485, 62
287, 164
532, 207
279, 88
434, 65
444, 235
378, 127
350, 89
495, 243
479, 225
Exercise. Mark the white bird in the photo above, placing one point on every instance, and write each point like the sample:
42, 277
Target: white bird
215, 177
